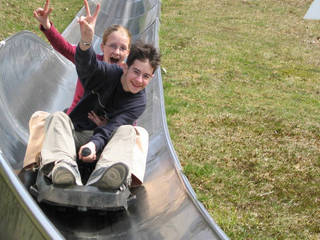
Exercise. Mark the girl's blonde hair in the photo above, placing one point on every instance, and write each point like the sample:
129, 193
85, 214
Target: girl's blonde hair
114, 28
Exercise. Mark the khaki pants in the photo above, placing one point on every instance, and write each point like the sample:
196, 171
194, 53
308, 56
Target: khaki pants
128, 145
36, 137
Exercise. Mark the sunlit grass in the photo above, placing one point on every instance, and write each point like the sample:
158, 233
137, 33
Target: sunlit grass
17, 15
242, 93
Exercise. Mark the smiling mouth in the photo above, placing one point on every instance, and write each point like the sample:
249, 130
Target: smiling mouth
134, 85
114, 60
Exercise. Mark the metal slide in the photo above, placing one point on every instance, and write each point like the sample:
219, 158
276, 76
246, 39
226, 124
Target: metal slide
313, 12
35, 77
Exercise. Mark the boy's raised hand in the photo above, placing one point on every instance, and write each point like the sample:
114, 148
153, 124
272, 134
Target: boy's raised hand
42, 15
87, 24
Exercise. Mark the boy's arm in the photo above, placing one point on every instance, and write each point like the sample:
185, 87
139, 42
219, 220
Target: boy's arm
86, 62
92, 72
102, 135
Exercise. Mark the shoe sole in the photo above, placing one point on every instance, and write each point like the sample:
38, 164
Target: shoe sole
63, 176
113, 177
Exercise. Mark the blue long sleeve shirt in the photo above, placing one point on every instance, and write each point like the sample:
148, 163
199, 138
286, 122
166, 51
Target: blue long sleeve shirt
103, 90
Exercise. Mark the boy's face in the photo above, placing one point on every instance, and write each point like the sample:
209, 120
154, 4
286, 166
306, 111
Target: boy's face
137, 76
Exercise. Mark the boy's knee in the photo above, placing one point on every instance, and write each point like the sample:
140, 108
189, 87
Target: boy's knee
129, 130
57, 118
141, 131
125, 130
58, 115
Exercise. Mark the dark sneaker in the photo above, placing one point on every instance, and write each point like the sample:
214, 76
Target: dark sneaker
64, 173
28, 177
109, 178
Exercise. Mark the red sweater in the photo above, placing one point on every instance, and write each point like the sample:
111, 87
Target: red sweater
67, 50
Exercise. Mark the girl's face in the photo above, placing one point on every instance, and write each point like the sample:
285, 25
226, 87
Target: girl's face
116, 48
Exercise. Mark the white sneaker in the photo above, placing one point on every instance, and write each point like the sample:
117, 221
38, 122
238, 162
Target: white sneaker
64, 173
109, 178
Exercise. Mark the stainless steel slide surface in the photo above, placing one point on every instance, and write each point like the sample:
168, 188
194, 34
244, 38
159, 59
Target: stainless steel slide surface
35, 77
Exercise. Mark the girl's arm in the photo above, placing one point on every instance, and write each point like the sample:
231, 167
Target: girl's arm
54, 37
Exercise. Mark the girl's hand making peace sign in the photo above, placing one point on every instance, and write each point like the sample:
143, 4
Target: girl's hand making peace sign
42, 15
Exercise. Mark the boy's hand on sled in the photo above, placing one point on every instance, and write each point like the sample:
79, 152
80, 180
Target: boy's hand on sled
92, 156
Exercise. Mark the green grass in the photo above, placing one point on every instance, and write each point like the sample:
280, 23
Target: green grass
242, 98
17, 15
242, 94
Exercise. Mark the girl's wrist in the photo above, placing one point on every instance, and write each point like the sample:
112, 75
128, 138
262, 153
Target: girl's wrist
47, 26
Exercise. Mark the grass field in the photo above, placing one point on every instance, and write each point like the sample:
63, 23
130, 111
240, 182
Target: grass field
242, 99
17, 15
242, 95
